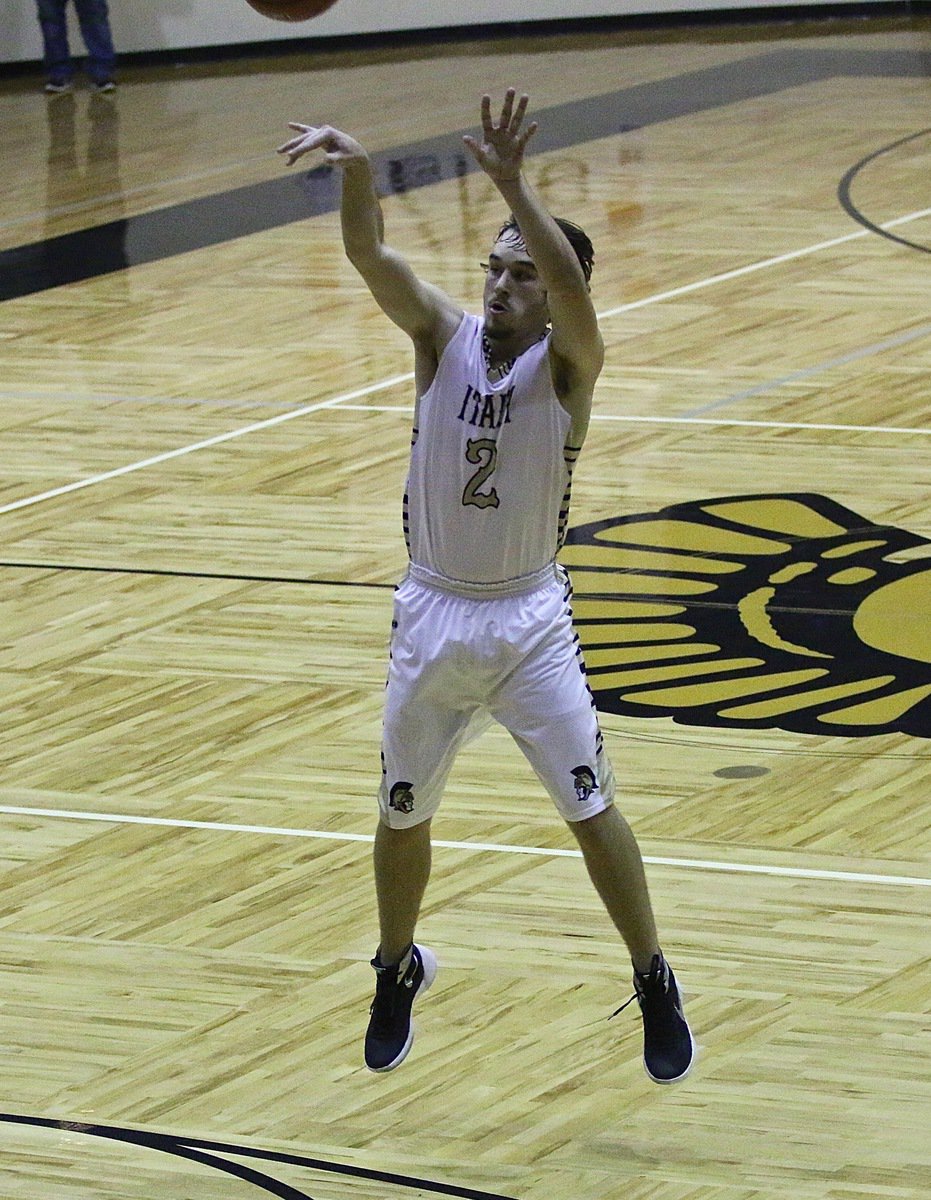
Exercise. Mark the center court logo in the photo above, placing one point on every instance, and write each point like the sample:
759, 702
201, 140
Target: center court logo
762, 611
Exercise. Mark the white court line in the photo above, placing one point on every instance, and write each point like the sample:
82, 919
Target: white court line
212, 441
658, 297
725, 276
694, 864
407, 409
763, 424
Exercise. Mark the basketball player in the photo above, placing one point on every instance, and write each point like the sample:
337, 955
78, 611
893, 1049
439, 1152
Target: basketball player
482, 626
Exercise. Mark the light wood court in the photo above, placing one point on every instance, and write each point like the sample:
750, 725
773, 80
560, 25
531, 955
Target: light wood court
203, 462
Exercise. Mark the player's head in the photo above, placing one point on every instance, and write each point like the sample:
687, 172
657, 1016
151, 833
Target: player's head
515, 298
577, 238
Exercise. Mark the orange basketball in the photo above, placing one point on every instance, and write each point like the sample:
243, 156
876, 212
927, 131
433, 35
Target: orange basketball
290, 10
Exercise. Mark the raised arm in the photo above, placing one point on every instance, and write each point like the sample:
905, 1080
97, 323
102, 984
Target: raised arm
577, 351
423, 311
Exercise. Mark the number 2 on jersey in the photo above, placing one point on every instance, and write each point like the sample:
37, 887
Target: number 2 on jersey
484, 453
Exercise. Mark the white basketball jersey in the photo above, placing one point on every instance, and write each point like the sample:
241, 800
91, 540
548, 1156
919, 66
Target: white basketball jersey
488, 489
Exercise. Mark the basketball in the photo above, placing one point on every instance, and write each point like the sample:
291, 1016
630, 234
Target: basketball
290, 10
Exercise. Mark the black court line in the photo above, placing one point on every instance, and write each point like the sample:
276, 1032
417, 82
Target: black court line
846, 200
591, 592
240, 212
212, 1154
179, 574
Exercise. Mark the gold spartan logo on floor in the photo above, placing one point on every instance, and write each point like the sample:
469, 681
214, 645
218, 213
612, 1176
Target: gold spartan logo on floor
770, 611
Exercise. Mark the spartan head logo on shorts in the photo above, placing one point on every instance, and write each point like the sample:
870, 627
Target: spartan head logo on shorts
585, 783
402, 797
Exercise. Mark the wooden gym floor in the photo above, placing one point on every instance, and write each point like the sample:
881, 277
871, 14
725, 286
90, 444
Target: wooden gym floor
204, 427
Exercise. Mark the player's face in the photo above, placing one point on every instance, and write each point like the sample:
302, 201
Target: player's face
515, 298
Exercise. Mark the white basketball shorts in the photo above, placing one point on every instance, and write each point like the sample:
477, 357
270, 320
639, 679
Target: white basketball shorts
460, 661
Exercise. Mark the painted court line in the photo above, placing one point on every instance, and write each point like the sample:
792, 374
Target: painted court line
335, 401
634, 419
212, 441
692, 864
762, 265
842, 360
762, 424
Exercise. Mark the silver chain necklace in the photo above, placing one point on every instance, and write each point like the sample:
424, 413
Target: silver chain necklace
497, 371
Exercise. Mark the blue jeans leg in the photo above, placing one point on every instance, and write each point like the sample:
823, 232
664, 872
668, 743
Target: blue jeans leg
94, 17
54, 26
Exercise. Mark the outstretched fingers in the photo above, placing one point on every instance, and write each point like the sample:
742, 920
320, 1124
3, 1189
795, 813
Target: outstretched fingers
475, 148
527, 135
308, 138
501, 149
512, 116
487, 126
516, 119
339, 146
507, 109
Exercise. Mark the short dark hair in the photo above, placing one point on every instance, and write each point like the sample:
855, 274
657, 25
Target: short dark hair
576, 236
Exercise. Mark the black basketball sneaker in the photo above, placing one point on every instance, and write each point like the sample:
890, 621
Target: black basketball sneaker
390, 1034
668, 1045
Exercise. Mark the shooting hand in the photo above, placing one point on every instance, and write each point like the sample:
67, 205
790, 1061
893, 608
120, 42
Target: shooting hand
339, 147
501, 151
